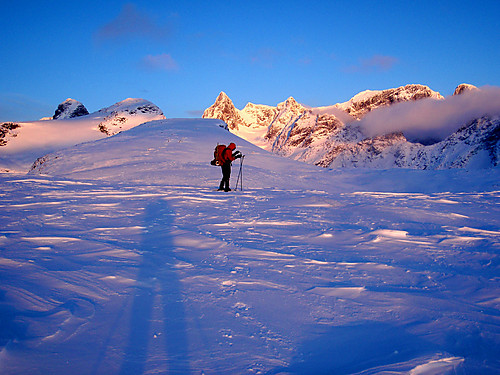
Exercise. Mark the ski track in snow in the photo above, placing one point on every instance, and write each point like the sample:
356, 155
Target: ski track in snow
101, 278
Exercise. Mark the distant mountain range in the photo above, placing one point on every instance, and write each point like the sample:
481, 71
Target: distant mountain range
21, 143
334, 136
371, 130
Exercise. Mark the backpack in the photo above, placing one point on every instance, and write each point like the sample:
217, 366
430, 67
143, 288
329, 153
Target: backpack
219, 155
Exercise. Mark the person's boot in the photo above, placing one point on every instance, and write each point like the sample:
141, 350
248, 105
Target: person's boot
221, 186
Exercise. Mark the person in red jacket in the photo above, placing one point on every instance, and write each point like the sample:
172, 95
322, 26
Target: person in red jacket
228, 156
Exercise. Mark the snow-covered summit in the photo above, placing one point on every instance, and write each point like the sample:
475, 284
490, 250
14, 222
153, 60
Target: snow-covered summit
70, 108
133, 106
127, 114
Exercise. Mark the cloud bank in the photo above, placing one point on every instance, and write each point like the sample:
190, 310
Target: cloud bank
431, 120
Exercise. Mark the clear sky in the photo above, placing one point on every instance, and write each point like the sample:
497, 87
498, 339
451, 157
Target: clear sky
180, 54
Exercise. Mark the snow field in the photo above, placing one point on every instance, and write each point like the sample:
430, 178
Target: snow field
119, 278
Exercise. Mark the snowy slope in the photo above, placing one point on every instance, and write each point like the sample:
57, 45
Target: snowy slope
126, 260
27, 141
173, 152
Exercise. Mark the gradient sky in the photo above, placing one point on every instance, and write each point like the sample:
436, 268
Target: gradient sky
181, 54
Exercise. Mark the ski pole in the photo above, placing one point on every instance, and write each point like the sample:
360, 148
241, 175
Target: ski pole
240, 174
241, 170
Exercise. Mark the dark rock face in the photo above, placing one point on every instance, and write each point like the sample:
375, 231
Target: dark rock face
7, 129
70, 108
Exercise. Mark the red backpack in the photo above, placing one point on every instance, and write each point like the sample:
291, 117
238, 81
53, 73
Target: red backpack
219, 154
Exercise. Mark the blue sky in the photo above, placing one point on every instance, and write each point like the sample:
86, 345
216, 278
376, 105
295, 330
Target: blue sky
181, 54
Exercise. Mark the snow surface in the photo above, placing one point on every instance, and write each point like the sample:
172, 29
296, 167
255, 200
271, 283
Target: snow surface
122, 258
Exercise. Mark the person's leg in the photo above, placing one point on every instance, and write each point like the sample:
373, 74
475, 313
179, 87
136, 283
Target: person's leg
226, 174
221, 185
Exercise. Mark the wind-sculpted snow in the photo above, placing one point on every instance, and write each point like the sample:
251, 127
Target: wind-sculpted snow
126, 260
127, 278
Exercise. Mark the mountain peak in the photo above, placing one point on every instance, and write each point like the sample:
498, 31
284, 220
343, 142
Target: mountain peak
134, 105
224, 109
290, 104
463, 88
125, 114
222, 97
70, 108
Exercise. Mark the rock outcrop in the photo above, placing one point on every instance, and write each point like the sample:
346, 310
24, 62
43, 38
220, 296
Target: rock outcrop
70, 108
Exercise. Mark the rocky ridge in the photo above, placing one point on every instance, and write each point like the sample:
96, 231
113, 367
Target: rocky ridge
367, 101
321, 137
290, 126
8, 130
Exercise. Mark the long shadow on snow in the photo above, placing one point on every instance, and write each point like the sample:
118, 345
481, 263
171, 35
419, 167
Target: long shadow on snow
157, 269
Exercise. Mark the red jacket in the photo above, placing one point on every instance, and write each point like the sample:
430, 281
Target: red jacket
228, 153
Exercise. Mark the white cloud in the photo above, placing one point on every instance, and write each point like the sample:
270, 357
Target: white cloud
427, 119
